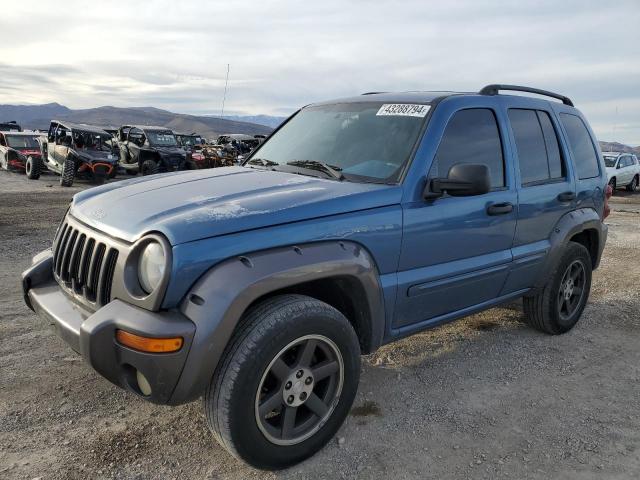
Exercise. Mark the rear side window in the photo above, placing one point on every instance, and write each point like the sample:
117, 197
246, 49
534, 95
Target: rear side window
537, 145
584, 153
471, 136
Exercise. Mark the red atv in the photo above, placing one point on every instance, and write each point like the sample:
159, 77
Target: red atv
20, 151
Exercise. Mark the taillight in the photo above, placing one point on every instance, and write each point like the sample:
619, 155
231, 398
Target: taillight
607, 195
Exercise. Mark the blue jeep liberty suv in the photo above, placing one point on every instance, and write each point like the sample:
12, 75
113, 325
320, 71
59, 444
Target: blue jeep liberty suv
358, 222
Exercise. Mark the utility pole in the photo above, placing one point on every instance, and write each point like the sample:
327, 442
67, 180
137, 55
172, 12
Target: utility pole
224, 97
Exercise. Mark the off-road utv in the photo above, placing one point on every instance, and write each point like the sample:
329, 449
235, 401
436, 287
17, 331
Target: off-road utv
20, 151
150, 150
79, 151
11, 126
358, 222
193, 144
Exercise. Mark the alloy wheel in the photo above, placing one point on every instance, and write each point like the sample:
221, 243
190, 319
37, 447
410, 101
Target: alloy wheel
299, 390
571, 291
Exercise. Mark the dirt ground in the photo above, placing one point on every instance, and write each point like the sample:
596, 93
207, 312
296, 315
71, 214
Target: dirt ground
485, 397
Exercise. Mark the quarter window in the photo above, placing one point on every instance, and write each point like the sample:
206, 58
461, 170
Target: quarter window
471, 136
537, 145
584, 153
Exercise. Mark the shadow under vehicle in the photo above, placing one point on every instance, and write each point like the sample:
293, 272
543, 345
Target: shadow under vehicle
150, 150
20, 151
79, 151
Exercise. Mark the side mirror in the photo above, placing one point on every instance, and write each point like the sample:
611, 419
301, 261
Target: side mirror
463, 180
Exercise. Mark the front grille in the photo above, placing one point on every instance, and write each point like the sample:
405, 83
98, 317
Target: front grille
83, 264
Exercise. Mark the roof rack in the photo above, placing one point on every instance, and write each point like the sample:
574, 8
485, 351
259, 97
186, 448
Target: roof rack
495, 90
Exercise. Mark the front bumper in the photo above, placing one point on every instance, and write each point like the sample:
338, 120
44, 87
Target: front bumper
92, 334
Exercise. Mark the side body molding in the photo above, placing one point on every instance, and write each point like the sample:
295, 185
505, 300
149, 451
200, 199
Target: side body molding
216, 302
569, 225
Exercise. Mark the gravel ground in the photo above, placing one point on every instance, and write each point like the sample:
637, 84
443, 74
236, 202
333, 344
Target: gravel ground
485, 397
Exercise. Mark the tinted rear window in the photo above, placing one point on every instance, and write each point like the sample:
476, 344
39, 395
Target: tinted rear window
584, 153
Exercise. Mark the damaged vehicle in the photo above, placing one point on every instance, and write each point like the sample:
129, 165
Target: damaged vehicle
193, 144
79, 151
20, 151
151, 150
360, 221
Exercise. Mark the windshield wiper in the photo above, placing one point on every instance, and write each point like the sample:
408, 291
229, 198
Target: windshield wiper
263, 162
331, 170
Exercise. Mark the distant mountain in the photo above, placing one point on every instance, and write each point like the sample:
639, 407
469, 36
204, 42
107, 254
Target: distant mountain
618, 147
268, 120
39, 116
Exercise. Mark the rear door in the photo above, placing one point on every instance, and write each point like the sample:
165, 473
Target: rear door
546, 190
456, 251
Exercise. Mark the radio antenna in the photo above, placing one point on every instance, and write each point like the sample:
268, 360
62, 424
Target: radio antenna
224, 97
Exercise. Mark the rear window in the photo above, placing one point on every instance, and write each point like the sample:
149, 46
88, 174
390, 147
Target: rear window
582, 148
537, 145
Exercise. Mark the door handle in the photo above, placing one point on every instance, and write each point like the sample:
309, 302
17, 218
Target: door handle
566, 196
500, 208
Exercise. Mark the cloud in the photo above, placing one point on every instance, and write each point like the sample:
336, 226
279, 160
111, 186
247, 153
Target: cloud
284, 54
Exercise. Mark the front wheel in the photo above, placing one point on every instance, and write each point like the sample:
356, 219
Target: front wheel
68, 172
559, 305
33, 167
285, 383
149, 167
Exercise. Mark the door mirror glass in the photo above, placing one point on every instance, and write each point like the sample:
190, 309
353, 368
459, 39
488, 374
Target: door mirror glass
463, 180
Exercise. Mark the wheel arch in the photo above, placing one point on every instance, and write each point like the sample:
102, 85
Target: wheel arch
322, 270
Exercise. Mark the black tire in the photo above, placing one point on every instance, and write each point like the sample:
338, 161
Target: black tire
233, 397
149, 167
548, 310
113, 173
612, 183
633, 186
190, 165
68, 172
33, 167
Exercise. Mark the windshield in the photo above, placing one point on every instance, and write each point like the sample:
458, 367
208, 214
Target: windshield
91, 140
364, 141
610, 161
161, 139
22, 141
188, 140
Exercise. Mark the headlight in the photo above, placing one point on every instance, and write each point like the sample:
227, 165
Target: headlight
151, 266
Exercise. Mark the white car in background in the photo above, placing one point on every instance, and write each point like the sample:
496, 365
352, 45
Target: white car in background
623, 170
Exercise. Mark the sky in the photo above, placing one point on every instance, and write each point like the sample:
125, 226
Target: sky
285, 54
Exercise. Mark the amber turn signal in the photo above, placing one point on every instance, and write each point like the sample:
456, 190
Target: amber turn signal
151, 345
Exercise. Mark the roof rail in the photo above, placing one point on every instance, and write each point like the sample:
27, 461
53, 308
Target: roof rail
495, 90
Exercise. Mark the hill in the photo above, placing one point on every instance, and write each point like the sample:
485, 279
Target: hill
619, 147
39, 116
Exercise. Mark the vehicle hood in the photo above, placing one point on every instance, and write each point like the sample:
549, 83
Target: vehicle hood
28, 151
196, 204
170, 150
98, 155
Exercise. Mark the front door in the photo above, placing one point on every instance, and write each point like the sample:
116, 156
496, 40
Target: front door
456, 251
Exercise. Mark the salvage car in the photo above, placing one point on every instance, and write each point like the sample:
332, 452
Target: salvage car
79, 151
150, 150
193, 144
20, 151
623, 170
259, 286
11, 126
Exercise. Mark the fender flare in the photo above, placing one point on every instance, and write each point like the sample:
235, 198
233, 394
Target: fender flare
217, 301
570, 224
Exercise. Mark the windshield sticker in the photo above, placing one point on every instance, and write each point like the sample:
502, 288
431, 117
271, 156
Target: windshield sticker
403, 109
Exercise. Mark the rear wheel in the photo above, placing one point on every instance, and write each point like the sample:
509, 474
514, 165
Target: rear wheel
33, 167
68, 172
285, 383
633, 186
559, 305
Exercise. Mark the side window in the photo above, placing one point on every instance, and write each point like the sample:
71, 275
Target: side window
584, 153
471, 136
537, 145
